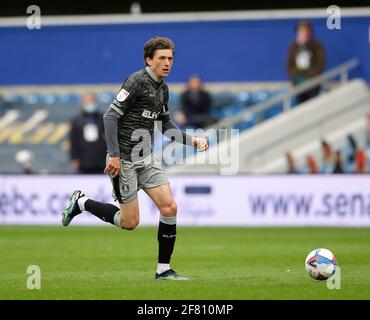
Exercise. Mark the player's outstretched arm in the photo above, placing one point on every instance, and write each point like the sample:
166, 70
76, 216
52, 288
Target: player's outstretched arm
200, 143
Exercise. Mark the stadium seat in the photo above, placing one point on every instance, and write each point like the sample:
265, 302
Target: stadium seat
248, 122
13, 98
51, 98
174, 101
106, 97
225, 111
244, 98
261, 96
32, 98
272, 112
70, 98
222, 99
231, 110
217, 113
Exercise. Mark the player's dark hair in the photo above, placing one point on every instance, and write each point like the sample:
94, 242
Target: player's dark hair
157, 43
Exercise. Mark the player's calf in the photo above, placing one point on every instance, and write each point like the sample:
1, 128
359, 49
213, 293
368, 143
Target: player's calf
78, 202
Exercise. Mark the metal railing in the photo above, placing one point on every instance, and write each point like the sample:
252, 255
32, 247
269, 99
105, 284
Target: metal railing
285, 98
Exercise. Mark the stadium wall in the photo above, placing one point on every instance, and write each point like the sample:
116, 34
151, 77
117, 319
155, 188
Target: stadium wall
275, 200
231, 48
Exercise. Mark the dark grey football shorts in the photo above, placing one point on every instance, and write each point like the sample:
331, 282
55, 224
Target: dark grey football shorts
133, 176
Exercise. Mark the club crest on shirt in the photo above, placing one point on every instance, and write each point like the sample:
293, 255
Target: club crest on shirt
122, 95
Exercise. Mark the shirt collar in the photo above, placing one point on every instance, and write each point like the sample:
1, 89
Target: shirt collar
152, 75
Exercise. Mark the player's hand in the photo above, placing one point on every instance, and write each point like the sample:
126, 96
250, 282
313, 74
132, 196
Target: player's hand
200, 143
113, 166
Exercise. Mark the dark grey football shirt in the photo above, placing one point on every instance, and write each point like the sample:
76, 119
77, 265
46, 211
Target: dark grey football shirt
129, 121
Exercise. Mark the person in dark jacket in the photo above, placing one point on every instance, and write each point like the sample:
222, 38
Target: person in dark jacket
306, 59
195, 105
338, 165
88, 146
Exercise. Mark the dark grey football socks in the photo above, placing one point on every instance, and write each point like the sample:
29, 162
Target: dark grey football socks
166, 238
104, 211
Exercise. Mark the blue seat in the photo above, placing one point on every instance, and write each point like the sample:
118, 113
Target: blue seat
231, 110
51, 98
222, 99
261, 96
248, 122
272, 112
32, 98
13, 98
244, 98
294, 102
61, 113
217, 113
70, 98
106, 97
174, 101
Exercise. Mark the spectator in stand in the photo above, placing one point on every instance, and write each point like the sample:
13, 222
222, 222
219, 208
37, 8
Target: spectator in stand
195, 105
328, 157
361, 162
350, 151
292, 168
338, 165
306, 59
352, 144
88, 146
312, 167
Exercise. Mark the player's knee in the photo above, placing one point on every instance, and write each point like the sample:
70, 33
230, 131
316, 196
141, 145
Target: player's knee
129, 224
169, 209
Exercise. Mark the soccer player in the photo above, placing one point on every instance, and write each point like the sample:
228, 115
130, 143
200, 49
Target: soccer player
131, 164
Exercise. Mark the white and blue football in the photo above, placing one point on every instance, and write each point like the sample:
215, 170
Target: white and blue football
321, 264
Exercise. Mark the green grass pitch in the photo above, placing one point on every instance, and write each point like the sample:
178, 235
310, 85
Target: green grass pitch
223, 263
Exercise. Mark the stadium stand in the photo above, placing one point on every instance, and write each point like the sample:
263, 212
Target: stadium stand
39, 122
36, 116
333, 116
49, 114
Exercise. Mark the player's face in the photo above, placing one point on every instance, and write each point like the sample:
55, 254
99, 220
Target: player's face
161, 63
